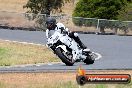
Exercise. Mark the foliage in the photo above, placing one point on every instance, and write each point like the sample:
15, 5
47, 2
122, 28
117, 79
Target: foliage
115, 25
80, 21
44, 6
38, 7
127, 15
102, 9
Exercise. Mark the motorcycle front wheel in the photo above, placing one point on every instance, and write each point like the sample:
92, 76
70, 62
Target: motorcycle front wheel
64, 57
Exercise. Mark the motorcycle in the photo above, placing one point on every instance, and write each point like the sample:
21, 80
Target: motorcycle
68, 50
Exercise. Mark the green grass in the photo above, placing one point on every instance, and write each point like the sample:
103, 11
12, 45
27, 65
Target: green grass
2, 85
124, 85
100, 86
3, 55
3, 51
16, 54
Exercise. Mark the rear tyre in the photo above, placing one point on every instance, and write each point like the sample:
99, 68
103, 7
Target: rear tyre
64, 59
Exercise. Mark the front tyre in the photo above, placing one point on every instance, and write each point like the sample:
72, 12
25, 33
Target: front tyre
64, 58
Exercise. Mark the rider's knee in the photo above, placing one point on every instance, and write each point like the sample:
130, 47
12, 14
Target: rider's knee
76, 34
73, 35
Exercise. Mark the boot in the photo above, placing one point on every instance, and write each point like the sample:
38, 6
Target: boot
77, 39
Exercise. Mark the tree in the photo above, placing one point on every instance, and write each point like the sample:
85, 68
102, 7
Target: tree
44, 6
39, 7
129, 0
127, 15
101, 9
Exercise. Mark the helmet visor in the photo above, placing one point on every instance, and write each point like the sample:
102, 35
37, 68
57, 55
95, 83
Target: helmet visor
49, 25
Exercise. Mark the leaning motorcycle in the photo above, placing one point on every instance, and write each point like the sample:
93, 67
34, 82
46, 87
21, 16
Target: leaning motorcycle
68, 50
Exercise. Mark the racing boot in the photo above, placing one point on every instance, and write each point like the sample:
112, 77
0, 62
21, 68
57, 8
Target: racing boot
77, 39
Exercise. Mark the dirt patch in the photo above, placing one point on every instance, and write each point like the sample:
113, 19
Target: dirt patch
12, 5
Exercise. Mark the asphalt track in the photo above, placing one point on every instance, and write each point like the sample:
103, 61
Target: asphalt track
116, 51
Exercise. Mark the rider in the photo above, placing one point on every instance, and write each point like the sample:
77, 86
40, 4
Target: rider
53, 26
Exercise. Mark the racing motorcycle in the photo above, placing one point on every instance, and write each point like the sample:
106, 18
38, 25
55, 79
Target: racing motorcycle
68, 50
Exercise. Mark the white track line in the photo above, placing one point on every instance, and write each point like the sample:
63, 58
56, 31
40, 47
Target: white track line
23, 42
27, 65
99, 56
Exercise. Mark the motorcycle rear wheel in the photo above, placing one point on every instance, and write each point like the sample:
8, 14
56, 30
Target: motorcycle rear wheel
64, 58
89, 60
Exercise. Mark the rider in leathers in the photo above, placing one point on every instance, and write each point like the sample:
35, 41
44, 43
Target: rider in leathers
53, 26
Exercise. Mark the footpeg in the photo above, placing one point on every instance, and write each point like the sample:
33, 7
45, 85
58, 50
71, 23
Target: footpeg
86, 50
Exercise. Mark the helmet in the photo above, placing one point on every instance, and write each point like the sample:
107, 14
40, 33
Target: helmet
50, 23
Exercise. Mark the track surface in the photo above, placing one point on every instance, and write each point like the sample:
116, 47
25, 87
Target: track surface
116, 51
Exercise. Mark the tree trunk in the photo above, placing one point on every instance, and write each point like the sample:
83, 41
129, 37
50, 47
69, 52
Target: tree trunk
125, 31
115, 30
102, 30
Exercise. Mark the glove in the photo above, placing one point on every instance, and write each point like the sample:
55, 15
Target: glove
49, 43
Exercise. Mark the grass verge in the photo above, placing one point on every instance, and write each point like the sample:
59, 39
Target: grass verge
54, 80
16, 53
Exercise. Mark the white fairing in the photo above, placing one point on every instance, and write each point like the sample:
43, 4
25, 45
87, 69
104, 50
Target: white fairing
76, 51
53, 36
62, 47
71, 44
